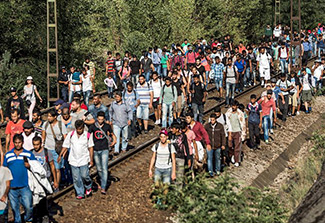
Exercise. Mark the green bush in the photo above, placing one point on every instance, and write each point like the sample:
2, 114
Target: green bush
220, 200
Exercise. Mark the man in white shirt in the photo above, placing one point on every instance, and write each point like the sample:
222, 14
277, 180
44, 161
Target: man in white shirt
156, 84
28, 135
5, 178
318, 72
264, 60
80, 158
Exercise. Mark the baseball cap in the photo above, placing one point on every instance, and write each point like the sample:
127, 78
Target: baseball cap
58, 102
163, 131
269, 92
29, 78
28, 125
64, 105
273, 80
13, 89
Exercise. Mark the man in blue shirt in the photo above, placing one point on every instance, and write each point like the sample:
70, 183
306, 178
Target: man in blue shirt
98, 106
17, 162
241, 67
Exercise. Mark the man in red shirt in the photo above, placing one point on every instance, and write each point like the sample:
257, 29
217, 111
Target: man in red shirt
200, 133
14, 126
267, 104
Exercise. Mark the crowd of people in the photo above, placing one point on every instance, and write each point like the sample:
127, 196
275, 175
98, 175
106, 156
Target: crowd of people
42, 156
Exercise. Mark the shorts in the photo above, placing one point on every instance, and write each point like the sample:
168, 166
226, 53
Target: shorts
155, 104
143, 112
55, 159
293, 100
306, 96
265, 73
163, 175
179, 103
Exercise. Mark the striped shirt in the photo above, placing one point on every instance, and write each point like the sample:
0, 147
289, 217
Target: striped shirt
110, 65
144, 92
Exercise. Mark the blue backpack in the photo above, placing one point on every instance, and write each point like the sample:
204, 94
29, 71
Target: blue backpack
254, 114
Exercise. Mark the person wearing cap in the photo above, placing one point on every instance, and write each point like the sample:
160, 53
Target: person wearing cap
30, 90
318, 72
164, 160
14, 126
14, 102
63, 80
28, 135
147, 66
268, 106
57, 105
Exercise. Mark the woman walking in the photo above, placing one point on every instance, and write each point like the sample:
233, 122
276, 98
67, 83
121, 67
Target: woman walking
30, 90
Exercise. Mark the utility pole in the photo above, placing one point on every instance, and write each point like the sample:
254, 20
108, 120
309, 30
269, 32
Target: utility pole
295, 17
277, 12
52, 53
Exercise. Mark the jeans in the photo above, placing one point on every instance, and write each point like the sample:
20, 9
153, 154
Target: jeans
198, 112
81, 179
218, 83
266, 126
320, 51
64, 93
86, 95
167, 109
164, 72
157, 68
117, 132
147, 75
230, 90
214, 153
163, 174
71, 93
247, 76
180, 170
284, 65
21, 196
101, 162
143, 111
110, 91
132, 128
134, 79
207, 77
284, 107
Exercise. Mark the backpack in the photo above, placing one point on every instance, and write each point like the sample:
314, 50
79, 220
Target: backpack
233, 66
254, 116
169, 149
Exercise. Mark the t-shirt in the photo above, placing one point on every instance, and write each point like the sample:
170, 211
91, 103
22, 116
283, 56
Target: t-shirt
130, 99
318, 72
156, 86
91, 66
17, 167
234, 122
240, 65
198, 95
86, 83
44, 158
264, 60
135, 66
110, 65
29, 92
100, 141
28, 141
284, 84
5, 175
163, 160
38, 129
230, 74
163, 61
13, 129
49, 140
144, 92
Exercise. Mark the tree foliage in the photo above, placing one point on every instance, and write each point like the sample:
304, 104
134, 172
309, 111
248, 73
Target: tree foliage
92, 27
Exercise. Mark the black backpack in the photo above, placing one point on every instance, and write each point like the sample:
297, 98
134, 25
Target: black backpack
163, 91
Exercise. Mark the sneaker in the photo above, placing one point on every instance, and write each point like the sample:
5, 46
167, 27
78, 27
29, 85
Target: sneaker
233, 159
271, 131
156, 122
236, 164
103, 192
80, 197
115, 154
218, 173
298, 113
145, 131
89, 192
266, 141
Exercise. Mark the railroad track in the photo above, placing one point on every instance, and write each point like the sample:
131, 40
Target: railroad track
142, 153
